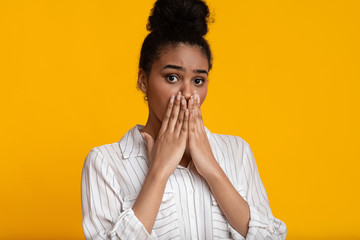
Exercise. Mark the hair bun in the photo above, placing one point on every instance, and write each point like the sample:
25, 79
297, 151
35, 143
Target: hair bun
178, 17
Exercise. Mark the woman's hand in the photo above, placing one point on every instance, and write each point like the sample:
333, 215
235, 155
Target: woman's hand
200, 149
166, 152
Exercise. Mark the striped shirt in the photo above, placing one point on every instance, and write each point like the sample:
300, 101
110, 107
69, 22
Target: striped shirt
113, 175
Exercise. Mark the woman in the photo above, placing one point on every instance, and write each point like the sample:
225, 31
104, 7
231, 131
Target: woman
173, 178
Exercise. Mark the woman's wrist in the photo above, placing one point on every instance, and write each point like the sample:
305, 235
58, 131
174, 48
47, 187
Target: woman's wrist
213, 172
158, 173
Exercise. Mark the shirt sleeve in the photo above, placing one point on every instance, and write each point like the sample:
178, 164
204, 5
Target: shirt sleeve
104, 215
262, 224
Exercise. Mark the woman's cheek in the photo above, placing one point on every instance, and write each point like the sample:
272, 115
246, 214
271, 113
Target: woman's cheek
163, 104
202, 97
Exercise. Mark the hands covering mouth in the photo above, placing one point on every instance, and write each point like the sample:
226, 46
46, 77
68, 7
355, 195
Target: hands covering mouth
182, 122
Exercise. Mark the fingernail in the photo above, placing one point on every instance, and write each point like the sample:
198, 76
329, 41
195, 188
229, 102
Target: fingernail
183, 100
172, 99
198, 98
178, 96
186, 112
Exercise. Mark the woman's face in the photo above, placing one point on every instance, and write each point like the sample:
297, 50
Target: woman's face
181, 68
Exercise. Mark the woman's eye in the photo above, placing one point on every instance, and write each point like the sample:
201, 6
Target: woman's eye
172, 78
199, 81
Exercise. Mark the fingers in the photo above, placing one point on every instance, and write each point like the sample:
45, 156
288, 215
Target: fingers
175, 113
197, 114
191, 114
180, 120
185, 125
195, 118
175, 116
167, 115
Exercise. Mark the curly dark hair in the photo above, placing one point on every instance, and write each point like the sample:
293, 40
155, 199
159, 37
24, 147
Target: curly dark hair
172, 22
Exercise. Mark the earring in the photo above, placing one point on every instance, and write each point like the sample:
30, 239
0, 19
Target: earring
146, 97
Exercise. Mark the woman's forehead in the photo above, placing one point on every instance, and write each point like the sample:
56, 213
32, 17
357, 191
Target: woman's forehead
186, 56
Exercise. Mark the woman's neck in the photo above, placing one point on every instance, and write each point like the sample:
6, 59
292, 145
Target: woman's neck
152, 126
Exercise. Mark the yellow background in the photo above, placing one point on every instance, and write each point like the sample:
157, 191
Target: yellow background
285, 78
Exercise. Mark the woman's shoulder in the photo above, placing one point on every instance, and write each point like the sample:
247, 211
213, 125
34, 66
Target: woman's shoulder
104, 153
104, 150
227, 145
129, 145
229, 140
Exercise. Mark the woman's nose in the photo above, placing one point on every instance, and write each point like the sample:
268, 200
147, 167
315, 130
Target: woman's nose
187, 92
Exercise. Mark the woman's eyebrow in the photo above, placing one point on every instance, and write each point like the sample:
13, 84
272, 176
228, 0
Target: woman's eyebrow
174, 67
200, 71
183, 69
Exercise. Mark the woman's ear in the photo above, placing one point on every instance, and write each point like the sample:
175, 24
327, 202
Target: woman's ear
142, 81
